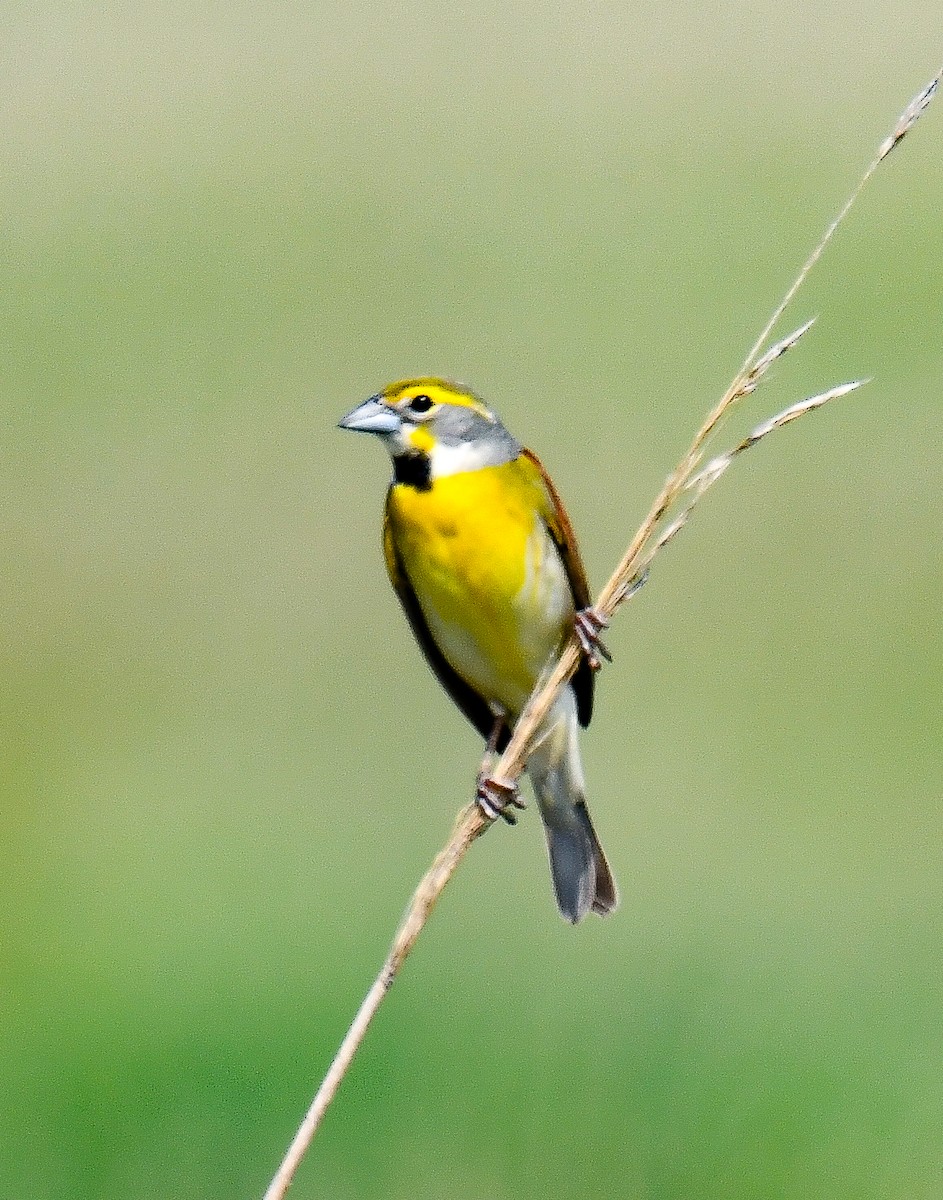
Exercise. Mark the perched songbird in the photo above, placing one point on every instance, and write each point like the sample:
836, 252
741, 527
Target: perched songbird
484, 561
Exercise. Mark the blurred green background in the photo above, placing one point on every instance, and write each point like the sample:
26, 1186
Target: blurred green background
224, 765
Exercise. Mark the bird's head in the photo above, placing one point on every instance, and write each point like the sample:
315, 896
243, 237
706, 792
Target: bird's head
432, 427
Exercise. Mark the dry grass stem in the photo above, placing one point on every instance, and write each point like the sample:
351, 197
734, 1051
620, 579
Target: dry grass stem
716, 467
684, 486
911, 114
468, 826
752, 377
708, 476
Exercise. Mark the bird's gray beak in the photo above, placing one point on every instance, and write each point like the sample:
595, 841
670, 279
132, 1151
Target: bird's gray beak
373, 416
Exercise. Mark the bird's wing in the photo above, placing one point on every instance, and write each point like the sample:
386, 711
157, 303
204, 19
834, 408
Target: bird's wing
468, 700
558, 524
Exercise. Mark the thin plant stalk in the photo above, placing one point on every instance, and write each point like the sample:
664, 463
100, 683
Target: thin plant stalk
652, 536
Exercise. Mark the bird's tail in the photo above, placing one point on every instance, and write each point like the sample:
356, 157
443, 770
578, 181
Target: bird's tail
581, 876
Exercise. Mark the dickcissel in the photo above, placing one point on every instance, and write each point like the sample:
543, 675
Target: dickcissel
484, 561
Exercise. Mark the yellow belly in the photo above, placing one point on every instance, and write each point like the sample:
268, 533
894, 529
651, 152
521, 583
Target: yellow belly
487, 575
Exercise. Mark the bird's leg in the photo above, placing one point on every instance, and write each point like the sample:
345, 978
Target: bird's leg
491, 746
496, 796
589, 624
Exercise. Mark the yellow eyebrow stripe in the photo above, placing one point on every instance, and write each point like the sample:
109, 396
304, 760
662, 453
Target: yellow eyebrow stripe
439, 391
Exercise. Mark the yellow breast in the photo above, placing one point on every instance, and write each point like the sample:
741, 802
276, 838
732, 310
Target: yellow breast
486, 573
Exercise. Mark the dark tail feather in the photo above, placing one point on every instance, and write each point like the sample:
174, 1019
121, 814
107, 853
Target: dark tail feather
582, 879
581, 876
606, 899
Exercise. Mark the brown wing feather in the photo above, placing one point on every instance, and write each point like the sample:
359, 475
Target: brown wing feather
468, 700
565, 539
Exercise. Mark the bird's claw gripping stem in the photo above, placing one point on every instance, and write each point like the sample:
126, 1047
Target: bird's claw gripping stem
589, 624
496, 797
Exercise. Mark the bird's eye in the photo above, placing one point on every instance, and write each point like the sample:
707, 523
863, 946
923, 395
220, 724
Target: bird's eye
420, 404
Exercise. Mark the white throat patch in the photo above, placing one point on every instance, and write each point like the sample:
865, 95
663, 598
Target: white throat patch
465, 456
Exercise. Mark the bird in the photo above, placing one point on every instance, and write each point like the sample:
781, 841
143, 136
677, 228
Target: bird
484, 561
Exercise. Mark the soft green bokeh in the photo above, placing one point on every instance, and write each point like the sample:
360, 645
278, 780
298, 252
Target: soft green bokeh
224, 765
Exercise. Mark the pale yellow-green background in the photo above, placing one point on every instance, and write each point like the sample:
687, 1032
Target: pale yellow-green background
224, 765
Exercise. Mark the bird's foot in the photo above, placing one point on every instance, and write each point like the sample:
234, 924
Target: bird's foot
496, 797
589, 624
